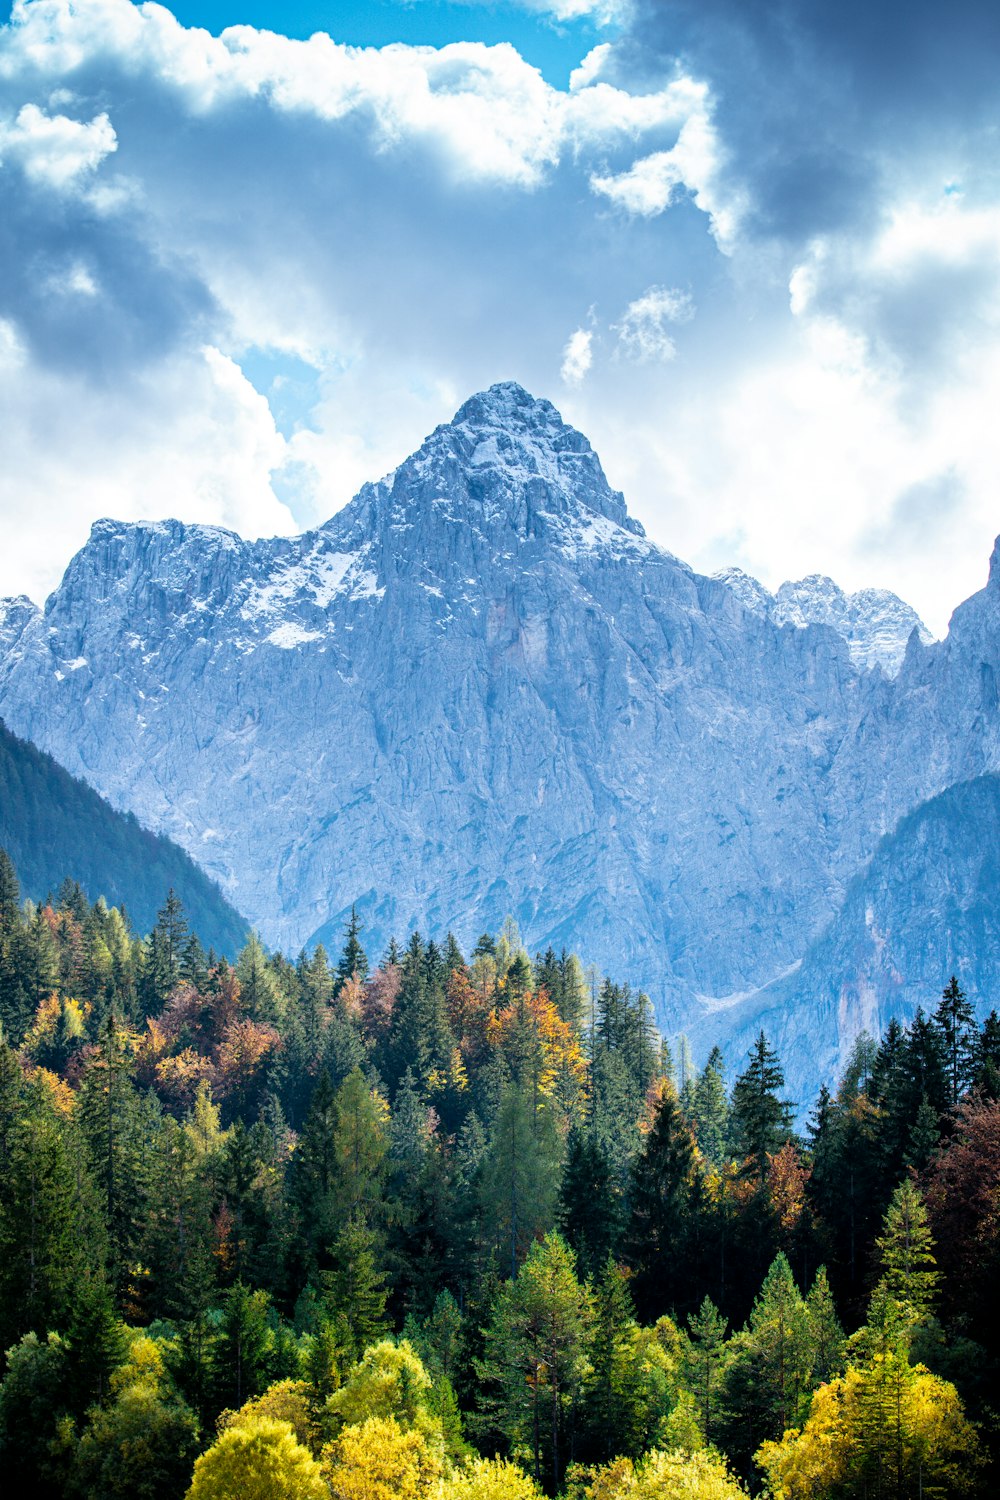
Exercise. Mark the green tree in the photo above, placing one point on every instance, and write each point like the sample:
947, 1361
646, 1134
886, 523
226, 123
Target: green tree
665, 1198
956, 1020
353, 960
615, 1405
520, 1175
704, 1364
354, 1288
760, 1119
535, 1354
906, 1251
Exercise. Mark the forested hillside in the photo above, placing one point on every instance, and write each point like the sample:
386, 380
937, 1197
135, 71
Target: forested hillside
458, 1226
51, 822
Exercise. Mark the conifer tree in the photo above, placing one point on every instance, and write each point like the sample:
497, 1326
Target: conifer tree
536, 1354
704, 1364
760, 1119
354, 1289
615, 1409
662, 1196
710, 1110
353, 960
589, 1209
906, 1251
956, 1020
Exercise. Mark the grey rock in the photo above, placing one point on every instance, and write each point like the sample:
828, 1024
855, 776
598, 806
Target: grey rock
481, 689
875, 623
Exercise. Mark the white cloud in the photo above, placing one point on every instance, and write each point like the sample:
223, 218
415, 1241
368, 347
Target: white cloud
577, 357
55, 150
643, 331
196, 442
488, 113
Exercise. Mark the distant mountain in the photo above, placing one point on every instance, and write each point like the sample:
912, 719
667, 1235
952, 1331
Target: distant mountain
481, 689
875, 623
926, 907
54, 826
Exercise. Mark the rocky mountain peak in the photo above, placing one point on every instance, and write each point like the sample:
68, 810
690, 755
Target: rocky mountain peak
875, 623
509, 456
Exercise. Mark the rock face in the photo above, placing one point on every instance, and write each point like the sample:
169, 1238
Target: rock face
927, 906
480, 688
875, 623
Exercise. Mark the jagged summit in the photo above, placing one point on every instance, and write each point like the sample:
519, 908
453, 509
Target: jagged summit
478, 689
875, 623
509, 456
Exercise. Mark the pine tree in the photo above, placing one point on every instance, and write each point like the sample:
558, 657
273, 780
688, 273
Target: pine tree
663, 1199
353, 960
519, 1180
615, 1407
761, 1121
825, 1333
589, 1208
704, 1364
240, 1354
535, 1357
354, 1289
956, 1021
906, 1251
710, 1110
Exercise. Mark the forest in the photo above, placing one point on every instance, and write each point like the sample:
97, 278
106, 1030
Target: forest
464, 1227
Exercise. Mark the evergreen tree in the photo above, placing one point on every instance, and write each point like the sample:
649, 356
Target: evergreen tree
704, 1364
354, 1289
710, 1110
520, 1177
353, 960
536, 1346
663, 1199
956, 1020
906, 1251
589, 1208
615, 1406
760, 1119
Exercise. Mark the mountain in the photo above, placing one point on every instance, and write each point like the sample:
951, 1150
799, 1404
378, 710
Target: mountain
481, 688
53, 826
927, 906
875, 623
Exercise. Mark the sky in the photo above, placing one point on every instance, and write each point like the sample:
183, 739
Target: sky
251, 254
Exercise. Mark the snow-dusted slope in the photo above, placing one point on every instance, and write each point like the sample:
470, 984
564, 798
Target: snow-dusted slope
875, 623
480, 688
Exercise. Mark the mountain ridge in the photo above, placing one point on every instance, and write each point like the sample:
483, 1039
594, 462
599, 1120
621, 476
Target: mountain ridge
480, 688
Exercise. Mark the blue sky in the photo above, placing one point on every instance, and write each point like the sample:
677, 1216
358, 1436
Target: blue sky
752, 251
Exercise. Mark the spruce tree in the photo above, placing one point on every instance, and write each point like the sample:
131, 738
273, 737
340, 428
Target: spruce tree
353, 960
956, 1021
760, 1120
663, 1199
906, 1251
704, 1364
589, 1208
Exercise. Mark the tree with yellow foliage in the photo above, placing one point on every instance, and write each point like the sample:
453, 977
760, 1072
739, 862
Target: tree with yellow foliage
889, 1430
666, 1475
379, 1460
490, 1479
259, 1459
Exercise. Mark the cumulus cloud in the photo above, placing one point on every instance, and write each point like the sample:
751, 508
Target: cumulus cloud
413, 223
577, 357
197, 441
54, 149
486, 111
643, 333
